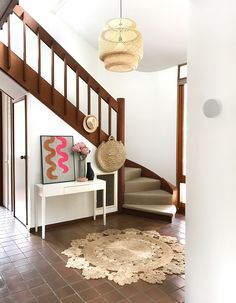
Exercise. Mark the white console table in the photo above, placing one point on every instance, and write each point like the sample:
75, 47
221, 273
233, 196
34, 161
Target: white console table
59, 189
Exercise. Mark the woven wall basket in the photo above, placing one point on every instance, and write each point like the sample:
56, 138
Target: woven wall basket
110, 155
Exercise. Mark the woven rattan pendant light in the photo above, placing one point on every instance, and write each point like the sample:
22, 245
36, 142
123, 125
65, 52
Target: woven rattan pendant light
120, 45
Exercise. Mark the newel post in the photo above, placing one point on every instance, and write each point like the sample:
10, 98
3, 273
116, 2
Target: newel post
121, 137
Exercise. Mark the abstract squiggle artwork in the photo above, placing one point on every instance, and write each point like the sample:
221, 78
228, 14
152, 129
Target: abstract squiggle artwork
64, 156
57, 159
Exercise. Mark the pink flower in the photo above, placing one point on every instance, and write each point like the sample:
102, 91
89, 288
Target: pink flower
81, 149
76, 148
85, 151
81, 145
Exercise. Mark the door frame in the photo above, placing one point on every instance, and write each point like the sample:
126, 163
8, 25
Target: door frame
180, 177
21, 99
1, 148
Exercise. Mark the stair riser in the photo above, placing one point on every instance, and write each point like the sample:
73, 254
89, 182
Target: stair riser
139, 186
140, 200
163, 217
169, 210
132, 174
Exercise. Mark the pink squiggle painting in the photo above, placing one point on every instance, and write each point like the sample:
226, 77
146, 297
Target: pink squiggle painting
64, 156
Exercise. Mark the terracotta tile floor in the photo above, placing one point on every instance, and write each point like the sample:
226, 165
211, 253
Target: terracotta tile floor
33, 270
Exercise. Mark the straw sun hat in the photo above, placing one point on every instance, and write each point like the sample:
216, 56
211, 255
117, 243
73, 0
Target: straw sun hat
90, 123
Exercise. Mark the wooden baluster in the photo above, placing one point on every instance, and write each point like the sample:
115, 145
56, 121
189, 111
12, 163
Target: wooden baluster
65, 85
89, 99
52, 74
39, 60
99, 118
121, 137
9, 42
121, 120
109, 118
77, 96
24, 48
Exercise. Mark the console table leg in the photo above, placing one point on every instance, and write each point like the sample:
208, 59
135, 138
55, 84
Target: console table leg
43, 217
94, 204
36, 208
104, 207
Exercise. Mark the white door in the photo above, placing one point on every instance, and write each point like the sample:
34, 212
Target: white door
20, 159
6, 148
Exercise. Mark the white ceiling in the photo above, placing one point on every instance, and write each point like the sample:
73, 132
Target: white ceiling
163, 24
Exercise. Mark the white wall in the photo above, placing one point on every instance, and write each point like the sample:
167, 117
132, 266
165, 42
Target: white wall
81, 50
151, 110
42, 121
59, 209
211, 150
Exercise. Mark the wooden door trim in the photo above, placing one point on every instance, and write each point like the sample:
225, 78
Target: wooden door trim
21, 99
180, 178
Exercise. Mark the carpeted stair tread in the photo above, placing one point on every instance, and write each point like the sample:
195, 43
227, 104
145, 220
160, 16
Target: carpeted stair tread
141, 184
151, 197
167, 210
144, 195
132, 173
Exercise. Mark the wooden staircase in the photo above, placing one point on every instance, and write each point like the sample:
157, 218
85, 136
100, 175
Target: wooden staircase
32, 81
147, 194
140, 179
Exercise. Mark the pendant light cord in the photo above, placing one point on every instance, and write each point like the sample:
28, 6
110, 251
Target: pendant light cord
121, 13
120, 24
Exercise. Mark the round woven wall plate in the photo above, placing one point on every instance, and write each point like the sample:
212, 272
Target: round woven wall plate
110, 155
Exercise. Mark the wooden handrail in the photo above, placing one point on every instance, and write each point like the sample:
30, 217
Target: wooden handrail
62, 53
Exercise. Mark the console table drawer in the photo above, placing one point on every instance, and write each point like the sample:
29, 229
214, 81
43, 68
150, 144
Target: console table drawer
71, 190
53, 191
82, 188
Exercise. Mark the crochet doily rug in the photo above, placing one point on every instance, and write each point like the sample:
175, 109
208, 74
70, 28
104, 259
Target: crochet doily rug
125, 256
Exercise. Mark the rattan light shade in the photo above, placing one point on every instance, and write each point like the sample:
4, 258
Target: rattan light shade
120, 45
